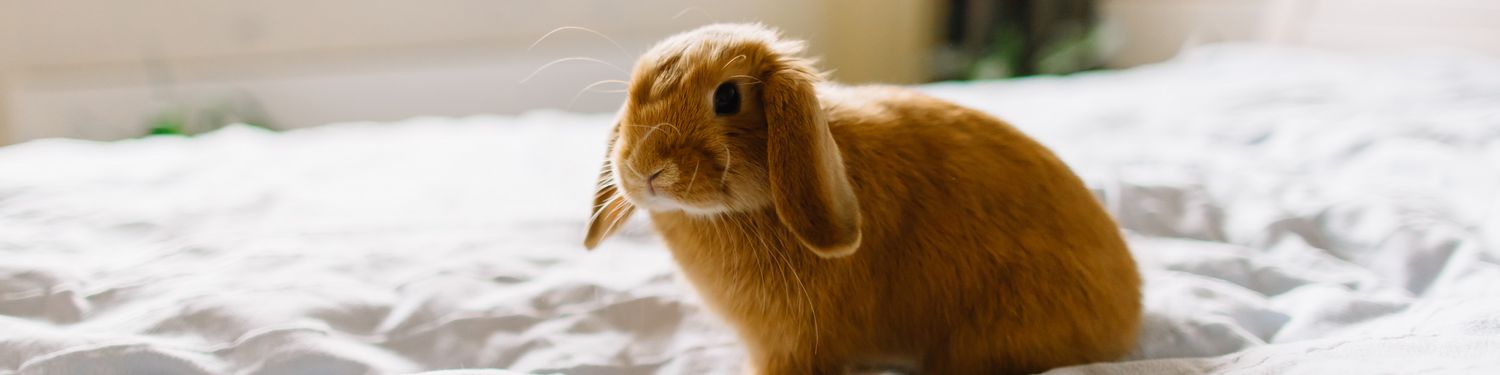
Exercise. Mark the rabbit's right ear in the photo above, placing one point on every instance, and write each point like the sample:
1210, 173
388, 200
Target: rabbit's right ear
610, 206
809, 188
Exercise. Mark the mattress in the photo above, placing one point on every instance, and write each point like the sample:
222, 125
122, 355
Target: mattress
1292, 211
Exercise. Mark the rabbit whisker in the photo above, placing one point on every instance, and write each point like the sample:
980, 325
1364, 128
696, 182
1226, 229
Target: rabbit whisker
807, 297
731, 61
606, 204
700, 10
600, 212
579, 28
757, 80
597, 83
566, 59
695, 175
615, 198
728, 157
618, 214
674, 127
653, 130
607, 180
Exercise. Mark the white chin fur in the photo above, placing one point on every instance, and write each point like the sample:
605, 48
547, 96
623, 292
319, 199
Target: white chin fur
701, 211
664, 204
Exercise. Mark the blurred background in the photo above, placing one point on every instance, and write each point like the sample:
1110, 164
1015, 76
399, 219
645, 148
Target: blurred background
109, 70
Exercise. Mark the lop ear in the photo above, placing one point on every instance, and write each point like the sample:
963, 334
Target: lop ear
610, 206
809, 188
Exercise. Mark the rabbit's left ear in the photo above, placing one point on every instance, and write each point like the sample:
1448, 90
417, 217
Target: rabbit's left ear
611, 209
809, 188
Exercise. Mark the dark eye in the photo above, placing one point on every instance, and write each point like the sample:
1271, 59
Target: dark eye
727, 99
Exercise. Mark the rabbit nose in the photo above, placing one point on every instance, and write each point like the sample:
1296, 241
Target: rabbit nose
651, 181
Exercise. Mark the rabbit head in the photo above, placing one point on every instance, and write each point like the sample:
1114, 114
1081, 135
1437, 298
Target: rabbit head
726, 119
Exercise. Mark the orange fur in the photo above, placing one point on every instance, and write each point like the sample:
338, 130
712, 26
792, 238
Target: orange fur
839, 228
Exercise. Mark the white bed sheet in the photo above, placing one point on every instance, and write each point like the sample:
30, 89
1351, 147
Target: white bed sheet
1292, 212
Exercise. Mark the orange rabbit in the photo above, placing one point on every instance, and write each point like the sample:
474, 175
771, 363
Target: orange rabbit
847, 228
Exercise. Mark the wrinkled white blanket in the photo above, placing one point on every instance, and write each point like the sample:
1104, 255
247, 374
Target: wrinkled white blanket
1292, 211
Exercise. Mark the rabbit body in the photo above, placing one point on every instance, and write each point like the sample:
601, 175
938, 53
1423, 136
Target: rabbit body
845, 228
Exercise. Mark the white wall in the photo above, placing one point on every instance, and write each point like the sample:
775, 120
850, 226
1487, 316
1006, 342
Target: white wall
1146, 31
100, 69
1381, 25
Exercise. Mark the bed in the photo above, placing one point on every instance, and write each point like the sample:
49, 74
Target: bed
1292, 211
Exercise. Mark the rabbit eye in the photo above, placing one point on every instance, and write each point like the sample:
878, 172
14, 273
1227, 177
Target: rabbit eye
727, 99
